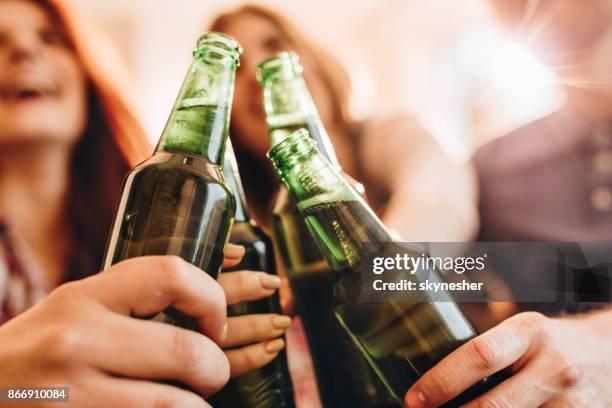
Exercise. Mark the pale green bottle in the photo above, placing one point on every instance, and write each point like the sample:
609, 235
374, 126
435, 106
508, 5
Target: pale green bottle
343, 376
401, 340
177, 202
269, 386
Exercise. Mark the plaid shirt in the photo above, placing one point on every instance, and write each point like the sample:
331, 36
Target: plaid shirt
21, 285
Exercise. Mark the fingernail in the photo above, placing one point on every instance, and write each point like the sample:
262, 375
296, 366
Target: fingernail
281, 322
274, 346
416, 400
270, 281
234, 251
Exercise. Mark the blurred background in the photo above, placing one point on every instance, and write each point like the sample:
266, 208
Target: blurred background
445, 62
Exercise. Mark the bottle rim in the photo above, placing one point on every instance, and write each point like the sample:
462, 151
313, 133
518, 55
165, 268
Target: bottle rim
215, 42
297, 145
285, 63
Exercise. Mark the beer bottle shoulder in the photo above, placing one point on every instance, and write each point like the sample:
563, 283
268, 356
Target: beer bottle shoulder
259, 253
182, 174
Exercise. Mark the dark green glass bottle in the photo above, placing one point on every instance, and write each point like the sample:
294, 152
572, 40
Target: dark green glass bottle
343, 376
177, 201
269, 386
401, 340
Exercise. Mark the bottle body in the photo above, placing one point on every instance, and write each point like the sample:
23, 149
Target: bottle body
269, 386
173, 204
344, 377
401, 340
177, 201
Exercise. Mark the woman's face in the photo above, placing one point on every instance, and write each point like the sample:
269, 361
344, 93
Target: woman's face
261, 39
43, 95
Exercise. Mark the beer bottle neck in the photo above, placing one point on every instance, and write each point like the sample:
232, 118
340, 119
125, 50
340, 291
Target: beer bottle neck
199, 121
289, 107
307, 173
336, 216
232, 177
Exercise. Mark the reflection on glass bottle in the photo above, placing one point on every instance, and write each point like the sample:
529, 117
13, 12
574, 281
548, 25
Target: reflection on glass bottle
343, 376
177, 201
400, 340
269, 386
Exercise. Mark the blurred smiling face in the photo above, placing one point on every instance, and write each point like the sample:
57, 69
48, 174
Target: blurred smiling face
43, 93
260, 39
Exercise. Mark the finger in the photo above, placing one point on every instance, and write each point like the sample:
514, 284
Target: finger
146, 285
243, 286
252, 357
533, 386
252, 328
482, 356
286, 297
122, 392
154, 350
233, 255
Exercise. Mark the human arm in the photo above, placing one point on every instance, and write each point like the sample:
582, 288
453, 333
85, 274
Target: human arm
432, 197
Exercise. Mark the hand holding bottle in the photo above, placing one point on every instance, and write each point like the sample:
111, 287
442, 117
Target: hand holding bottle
252, 340
87, 335
557, 362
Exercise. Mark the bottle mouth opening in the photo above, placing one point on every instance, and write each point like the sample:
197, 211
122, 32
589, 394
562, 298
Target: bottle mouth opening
285, 64
297, 145
217, 45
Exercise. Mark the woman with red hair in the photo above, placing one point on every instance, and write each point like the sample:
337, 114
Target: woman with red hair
67, 138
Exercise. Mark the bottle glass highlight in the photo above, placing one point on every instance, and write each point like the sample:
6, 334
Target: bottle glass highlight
343, 376
177, 201
269, 386
401, 340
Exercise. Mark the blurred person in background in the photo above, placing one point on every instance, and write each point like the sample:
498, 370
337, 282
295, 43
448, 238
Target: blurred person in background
550, 180
67, 138
417, 190
409, 181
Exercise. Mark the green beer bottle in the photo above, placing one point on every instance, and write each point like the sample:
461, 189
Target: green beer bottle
401, 340
343, 376
177, 201
269, 386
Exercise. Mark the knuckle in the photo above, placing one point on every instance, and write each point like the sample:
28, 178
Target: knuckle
172, 270
217, 296
62, 344
244, 282
253, 357
495, 401
65, 292
216, 372
166, 401
188, 350
532, 321
483, 354
221, 375
439, 386
173, 400
565, 371
262, 324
